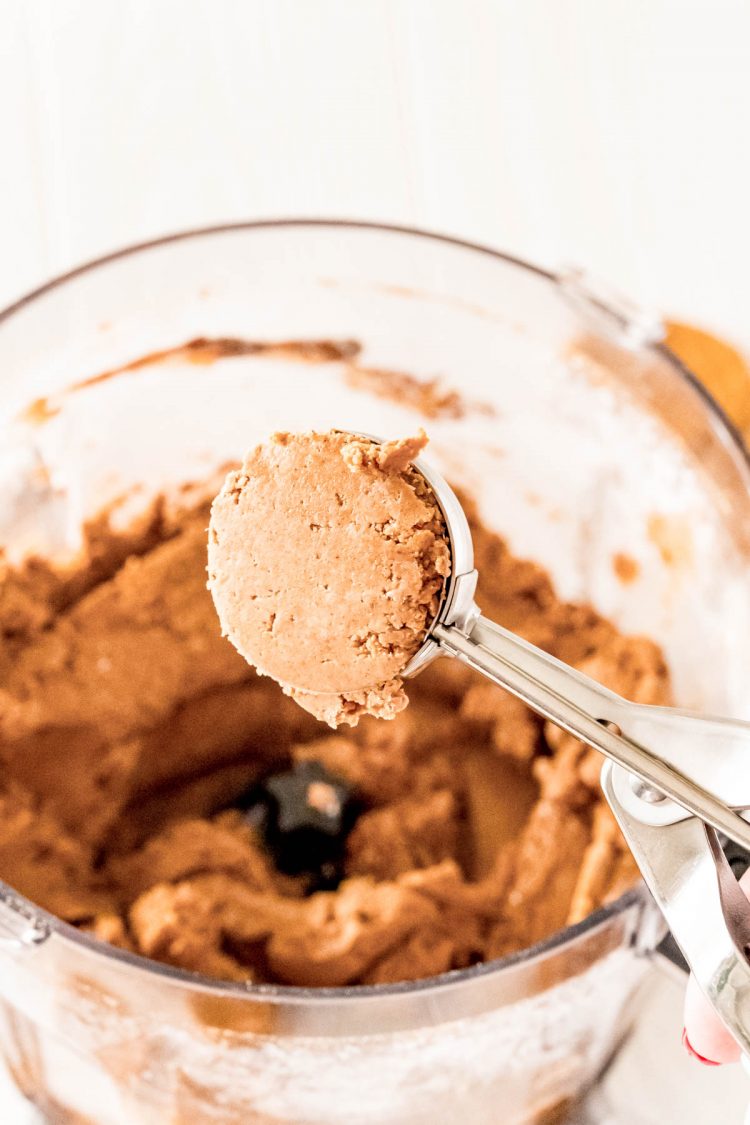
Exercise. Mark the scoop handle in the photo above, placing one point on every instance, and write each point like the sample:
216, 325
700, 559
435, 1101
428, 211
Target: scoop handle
595, 715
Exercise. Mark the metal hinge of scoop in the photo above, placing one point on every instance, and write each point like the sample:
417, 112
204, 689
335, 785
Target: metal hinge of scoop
696, 890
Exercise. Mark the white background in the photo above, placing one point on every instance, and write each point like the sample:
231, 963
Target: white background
610, 133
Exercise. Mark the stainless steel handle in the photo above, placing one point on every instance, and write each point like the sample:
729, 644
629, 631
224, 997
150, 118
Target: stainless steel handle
601, 718
700, 899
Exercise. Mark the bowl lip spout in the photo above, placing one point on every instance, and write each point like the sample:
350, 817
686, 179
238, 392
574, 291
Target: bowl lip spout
436, 998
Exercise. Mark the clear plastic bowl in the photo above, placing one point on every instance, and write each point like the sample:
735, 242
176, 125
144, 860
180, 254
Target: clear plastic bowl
580, 439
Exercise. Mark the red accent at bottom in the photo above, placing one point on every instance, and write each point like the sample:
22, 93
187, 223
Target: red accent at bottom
693, 1053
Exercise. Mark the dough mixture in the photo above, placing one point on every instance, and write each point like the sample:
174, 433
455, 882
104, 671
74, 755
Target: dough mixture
155, 789
327, 556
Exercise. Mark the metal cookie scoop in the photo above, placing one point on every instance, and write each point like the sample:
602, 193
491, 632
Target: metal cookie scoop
301, 516
672, 754
672, 778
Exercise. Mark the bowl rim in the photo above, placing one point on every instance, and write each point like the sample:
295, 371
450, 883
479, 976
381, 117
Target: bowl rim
556, 277
635, 897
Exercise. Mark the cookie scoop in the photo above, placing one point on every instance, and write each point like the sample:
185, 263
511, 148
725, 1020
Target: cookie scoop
342, 566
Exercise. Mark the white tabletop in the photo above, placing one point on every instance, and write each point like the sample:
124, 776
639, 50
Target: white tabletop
613, 135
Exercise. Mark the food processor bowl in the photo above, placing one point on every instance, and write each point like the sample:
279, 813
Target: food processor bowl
582, 441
